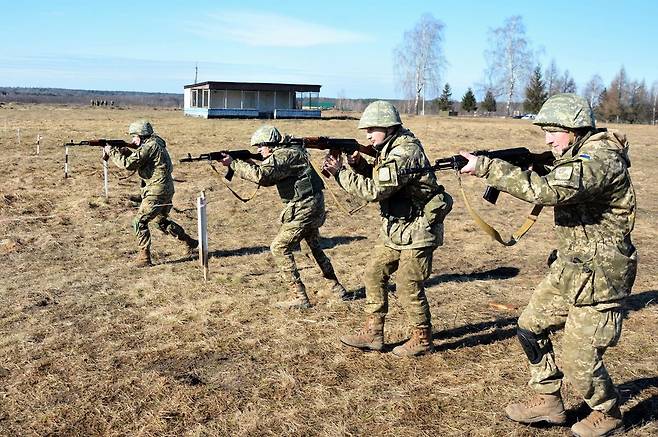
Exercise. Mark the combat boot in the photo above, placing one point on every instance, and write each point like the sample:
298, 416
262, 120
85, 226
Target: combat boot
143, 258
546, 408
191, 244
300, 302
599, 424
420, 343
371, 336
338, 290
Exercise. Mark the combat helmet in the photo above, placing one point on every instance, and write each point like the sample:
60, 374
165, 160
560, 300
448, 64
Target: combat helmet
379, 114
567, 110
140, 127
265, 135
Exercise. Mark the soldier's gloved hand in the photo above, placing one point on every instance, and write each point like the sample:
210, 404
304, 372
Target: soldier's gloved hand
106, 152
472, 161
332, 164
226, 160
354, 158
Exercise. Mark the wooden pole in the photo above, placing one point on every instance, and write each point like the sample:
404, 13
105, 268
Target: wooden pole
202, 226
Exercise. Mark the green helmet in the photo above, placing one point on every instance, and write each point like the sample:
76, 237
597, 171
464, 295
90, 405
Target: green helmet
265, 135
568, 111
379, 114
141, 128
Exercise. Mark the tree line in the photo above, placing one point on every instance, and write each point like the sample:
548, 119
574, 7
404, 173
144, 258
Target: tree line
512, 81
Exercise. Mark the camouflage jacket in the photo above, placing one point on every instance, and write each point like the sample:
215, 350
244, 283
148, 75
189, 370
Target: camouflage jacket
152, 163
299, 186
412, 206
594, 204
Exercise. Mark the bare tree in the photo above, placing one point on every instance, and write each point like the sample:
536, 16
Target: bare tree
566, 84
551, 78
419, 60
593, 90
509, 57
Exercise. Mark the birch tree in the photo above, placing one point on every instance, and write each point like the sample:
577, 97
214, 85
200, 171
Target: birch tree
419, 61
593, 90
509, 57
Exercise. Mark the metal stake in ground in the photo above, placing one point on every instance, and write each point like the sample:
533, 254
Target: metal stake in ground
105, 177
38, 142
66, 162
202, 222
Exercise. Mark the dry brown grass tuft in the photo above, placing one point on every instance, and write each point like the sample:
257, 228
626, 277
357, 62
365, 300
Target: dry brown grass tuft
91, 346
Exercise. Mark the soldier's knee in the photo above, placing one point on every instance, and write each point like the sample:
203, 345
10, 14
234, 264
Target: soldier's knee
534, 345
139, 224
163, 225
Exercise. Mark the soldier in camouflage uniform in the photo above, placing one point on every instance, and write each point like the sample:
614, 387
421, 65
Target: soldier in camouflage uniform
412, 210
289, 168
151, 161
594, 203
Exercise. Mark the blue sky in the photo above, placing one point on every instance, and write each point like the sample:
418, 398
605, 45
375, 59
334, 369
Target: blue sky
345, 46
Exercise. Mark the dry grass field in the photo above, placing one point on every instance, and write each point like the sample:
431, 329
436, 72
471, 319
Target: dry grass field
90, 345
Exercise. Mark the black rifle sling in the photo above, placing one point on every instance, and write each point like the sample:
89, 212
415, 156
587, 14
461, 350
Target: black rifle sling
493, 233
242, 199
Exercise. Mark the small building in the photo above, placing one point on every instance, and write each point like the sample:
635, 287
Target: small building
251, 100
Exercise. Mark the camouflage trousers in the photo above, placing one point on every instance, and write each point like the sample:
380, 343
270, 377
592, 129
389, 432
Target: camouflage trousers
291, 234
151, 211
413, 267
588, 332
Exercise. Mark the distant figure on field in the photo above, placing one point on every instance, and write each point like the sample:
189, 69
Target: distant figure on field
594, 203
412, 209
151, 161
289, 168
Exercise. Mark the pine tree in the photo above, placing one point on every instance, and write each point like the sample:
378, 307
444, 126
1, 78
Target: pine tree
489, 103
468, 101
445, 104
535, 92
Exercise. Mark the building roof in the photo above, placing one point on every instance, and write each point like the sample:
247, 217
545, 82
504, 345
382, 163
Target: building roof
255, 86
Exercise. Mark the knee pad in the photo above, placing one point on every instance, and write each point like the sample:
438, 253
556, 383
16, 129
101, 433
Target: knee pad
163, 225
531, 346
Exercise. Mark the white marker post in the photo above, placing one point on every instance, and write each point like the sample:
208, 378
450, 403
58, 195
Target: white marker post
105, 172
38, 142
66, 162
202, 221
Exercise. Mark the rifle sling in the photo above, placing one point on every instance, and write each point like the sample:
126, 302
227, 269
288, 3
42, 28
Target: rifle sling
242, 199
493, 233
333, 195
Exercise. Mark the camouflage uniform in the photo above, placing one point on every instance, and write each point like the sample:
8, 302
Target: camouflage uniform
152, 163
594, 205
300, 189
412, 224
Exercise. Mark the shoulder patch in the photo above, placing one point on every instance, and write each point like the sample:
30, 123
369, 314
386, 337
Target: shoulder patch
567, 175
387, 174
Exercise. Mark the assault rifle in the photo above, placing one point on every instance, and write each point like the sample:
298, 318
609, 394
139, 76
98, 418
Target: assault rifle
102, 143
518, 156
336, 146
242, 154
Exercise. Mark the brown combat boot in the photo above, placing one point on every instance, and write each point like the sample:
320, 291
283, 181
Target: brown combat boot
420, 343
546, 408
300, 302
144, 258
338, 290
192, 246
371, 336
599, 424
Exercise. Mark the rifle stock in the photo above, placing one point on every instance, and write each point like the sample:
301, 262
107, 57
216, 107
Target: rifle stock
241, 154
